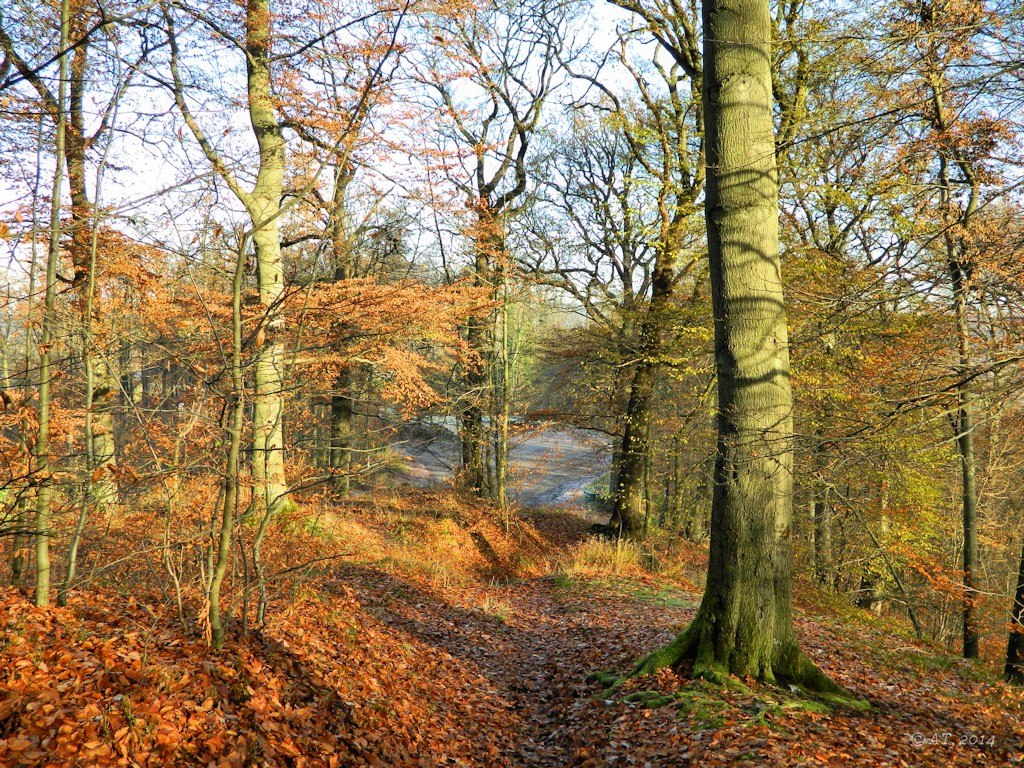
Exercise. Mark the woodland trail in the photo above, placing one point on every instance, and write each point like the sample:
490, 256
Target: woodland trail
533, 653
533, 641
548, 466
534, 644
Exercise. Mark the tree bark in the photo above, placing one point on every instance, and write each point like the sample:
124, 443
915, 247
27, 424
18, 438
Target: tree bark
42, 521
1014, 670
271, 489
744, 625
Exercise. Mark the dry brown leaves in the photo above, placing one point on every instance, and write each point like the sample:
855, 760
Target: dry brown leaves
372, 665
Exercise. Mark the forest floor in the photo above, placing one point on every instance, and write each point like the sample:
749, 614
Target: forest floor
434, 637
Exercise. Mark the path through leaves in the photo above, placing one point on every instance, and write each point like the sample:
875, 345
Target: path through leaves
372, 665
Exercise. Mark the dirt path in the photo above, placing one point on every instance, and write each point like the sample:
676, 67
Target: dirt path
548, 467
534, 651
530, 644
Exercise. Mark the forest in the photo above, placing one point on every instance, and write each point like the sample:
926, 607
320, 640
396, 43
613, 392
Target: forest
511, 383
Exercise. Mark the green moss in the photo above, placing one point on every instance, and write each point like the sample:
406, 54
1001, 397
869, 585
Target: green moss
611, 682
805, 705
563, 582
650, 699
702, 706
845, 701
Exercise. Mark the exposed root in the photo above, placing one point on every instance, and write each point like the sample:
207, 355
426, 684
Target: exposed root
680, 649
789, 665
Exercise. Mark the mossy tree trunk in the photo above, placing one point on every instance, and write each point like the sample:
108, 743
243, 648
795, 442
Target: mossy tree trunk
744, 626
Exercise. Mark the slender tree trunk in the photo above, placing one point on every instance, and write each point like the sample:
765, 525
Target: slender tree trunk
342, 400
969, 491
271, 489
102, 446
83, 511
744, 625
823, 540
503, 408
1014, 670
957, 220
42, 522
871, 594
229, 496
20, 540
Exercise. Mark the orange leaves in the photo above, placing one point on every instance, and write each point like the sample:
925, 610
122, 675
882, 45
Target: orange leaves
372, 665
402, 329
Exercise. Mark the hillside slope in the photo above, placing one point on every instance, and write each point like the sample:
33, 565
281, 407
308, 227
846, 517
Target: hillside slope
437, 638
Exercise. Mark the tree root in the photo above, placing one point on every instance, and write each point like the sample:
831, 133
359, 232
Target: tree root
789, 665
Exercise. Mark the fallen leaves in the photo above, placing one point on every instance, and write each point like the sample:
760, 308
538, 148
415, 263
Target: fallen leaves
373, 665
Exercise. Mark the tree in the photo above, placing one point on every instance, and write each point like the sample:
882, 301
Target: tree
744, 625
495, 68
952, 147
86, 25
346, 80
263, 204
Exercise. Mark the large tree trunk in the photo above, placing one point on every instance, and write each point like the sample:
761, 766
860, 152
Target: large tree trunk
271, 489
744, 625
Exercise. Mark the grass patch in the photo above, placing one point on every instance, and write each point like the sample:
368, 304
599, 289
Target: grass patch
495, 608
602, 557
